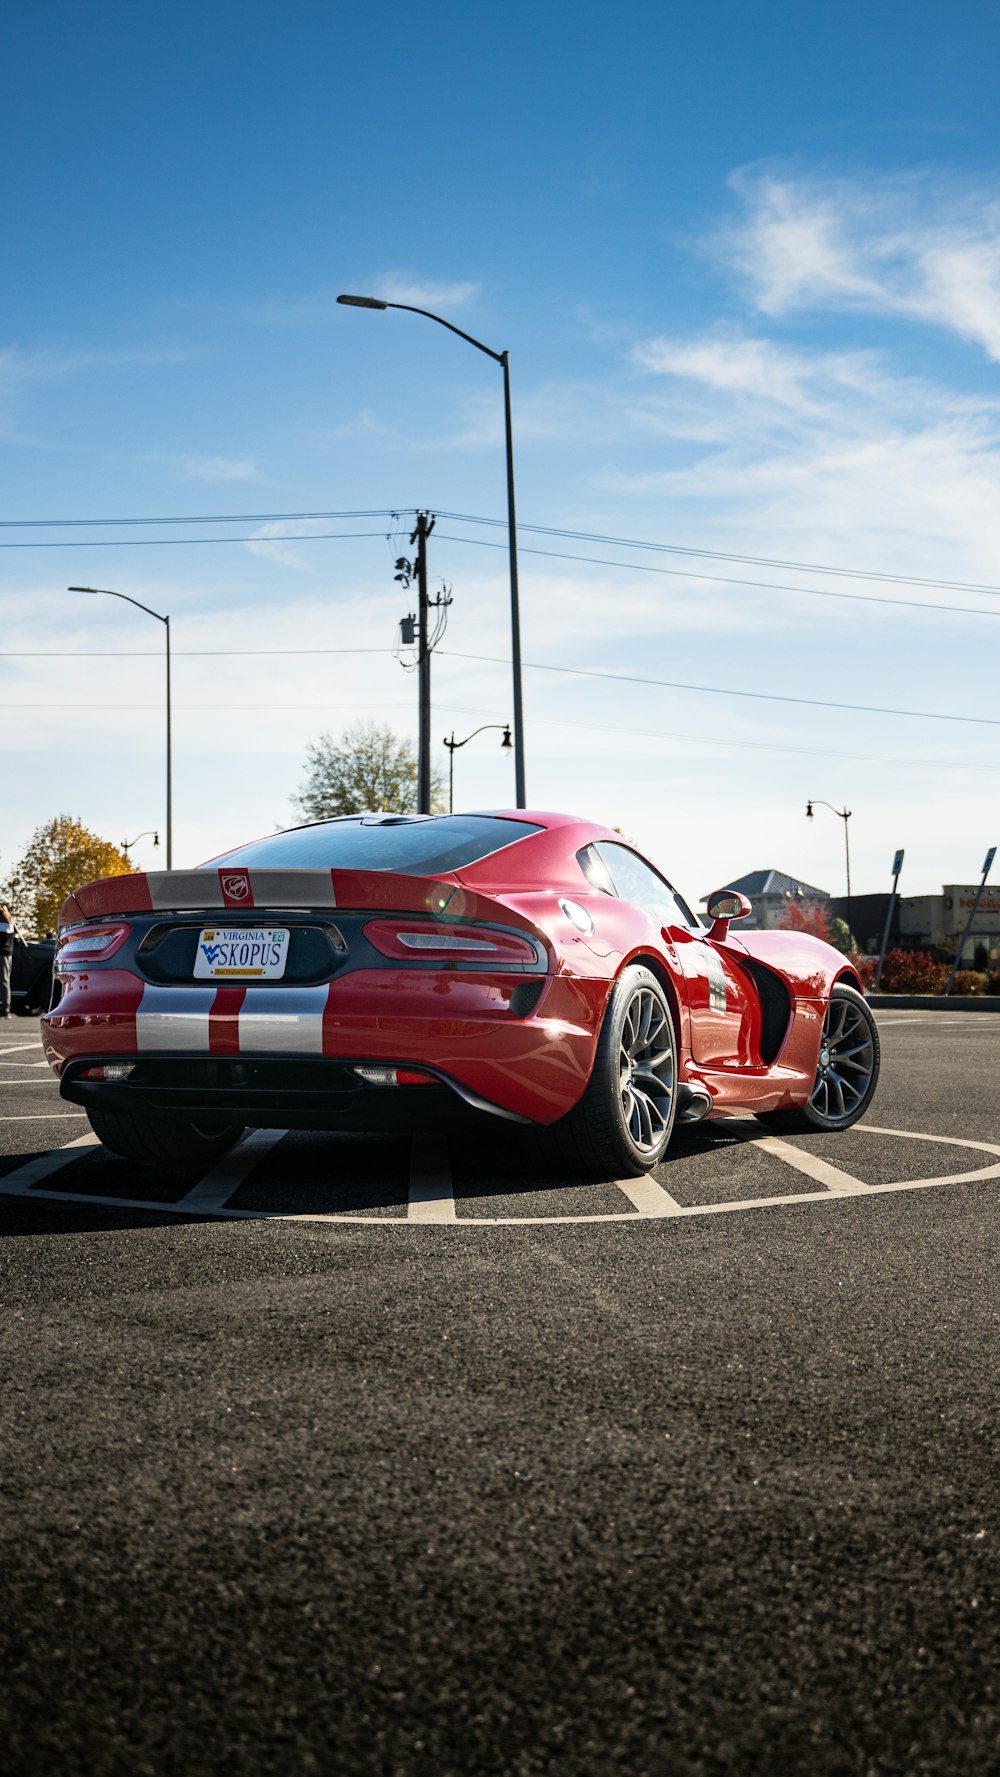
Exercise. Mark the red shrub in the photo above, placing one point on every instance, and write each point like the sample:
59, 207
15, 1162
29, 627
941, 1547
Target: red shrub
807, 916
912, 971
865, 966
969, 981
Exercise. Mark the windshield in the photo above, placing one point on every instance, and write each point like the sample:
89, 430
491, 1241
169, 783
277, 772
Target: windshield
413, 845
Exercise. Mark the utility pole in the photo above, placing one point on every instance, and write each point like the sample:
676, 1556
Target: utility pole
405, 572
419, 537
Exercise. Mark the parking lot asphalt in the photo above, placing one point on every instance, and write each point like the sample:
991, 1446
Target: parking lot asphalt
393, 1459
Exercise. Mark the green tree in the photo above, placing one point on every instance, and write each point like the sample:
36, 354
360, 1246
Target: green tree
368, 770
841, 937
58, 858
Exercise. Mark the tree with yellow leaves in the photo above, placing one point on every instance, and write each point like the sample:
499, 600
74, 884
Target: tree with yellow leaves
58, 858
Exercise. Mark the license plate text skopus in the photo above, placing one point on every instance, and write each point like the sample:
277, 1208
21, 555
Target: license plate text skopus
241, 953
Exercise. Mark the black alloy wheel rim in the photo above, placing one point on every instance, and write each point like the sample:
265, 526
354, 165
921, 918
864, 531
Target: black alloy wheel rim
646, 1070
846, 1062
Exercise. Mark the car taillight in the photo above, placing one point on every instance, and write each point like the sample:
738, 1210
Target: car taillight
93, 944
109, 1070
417, 941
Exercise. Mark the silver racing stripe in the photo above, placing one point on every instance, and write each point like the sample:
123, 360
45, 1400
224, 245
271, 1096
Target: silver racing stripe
190, 889
184, 888
283, 1020
292, 888
174, 1018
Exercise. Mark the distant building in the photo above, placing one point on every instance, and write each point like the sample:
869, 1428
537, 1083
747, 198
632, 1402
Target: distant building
865, 916
772, 893
936, 923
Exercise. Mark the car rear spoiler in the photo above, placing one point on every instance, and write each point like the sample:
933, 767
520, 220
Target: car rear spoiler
274, 891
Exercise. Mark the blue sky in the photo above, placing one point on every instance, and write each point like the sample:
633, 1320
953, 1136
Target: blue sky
747, 264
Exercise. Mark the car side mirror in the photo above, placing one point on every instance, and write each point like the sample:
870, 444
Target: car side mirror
723, 906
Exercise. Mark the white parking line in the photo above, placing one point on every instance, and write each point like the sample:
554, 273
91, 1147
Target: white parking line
214, 1190
650, 1199
947, 1141
432, 1195
747, 1129
966, 1019
44, 1117
14, 1048
17, 1183
841, 1183
23, 1063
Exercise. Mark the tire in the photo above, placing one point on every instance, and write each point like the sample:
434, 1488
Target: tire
845, 1086
36, 1000
140, 1135
621, 1127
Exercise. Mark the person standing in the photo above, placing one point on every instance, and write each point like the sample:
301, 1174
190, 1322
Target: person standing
6, 957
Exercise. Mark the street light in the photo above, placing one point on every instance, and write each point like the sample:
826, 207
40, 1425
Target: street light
503, 359
453, 746
127, 844
843, 814
107, 592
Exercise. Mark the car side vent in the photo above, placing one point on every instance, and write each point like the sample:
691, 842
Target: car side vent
525, 998
775, 1008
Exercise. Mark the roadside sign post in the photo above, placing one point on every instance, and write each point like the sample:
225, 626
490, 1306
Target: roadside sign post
897, 865
987, 867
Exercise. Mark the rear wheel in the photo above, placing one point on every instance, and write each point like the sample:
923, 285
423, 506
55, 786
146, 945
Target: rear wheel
142, 1135
622, 1124
847, 1074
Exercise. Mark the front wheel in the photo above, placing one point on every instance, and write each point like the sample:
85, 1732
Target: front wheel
847, 1073
142, 1135
621, 1126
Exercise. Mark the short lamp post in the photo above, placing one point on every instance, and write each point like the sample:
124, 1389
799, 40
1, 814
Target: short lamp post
106, 592
127, 844
842, 814
453, 746
503, 359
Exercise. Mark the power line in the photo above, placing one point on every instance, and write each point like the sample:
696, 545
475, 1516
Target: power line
499, 660
11, 524
673, 734
760, 561
157, 653
870, 709
818, 592
553, 554
757, 561
194, 542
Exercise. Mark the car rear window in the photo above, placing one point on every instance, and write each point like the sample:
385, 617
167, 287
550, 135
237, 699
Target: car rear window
413, 845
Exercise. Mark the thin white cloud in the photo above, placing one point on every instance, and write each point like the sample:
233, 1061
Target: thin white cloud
401, 286
914, 246
737, 364
218, 468
317, 308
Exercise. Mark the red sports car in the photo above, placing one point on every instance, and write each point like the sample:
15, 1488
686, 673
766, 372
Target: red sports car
411, 972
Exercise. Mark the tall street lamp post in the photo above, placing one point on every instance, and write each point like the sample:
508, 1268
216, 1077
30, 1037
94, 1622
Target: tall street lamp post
503, 359
843, 814
107, 592
453, 746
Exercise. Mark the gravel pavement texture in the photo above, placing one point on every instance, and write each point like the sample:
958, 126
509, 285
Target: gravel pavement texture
708, 1495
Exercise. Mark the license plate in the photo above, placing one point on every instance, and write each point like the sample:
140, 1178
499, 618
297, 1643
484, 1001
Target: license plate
241, 953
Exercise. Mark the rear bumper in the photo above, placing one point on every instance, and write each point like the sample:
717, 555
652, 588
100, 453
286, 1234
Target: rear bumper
277, 1093
463, 1028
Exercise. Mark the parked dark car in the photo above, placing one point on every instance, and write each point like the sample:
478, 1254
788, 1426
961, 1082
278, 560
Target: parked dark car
31, 976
